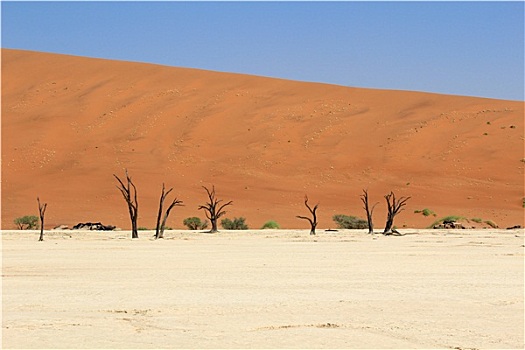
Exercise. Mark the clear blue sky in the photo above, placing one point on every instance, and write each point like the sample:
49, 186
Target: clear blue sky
462, 48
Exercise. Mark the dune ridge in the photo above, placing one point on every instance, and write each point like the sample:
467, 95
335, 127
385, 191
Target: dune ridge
69, 123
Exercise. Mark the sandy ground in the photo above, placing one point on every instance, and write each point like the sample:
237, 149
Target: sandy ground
263, 289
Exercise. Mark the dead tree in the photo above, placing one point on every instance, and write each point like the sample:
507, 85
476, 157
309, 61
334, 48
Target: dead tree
313, 220
369, 211
159, 231
213, 209
394, 207
129, 192
42, 210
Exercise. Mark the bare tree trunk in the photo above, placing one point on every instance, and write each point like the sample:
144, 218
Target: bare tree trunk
313, 220
394, 207
129, 192
159, 230
214, 227
213, 209
369, 211
42, 211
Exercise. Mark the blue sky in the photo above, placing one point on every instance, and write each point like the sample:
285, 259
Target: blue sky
461, 48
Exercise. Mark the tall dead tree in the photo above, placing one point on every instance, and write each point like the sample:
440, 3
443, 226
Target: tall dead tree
159, 230
213, 209
369, 211
129, 192
42, 211
313, 220
394, 207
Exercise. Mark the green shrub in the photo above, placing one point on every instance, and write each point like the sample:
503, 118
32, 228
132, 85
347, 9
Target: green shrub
28, 222
478, 220
349, 222
425, 212
142, 228
194, 223
270, 225
491, 223
453, 218
236, 224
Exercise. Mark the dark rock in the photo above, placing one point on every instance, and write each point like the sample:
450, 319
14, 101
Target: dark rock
97, 226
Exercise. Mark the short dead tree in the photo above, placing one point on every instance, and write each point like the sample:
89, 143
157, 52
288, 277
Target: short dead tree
369, 211
129, 192
159, 230
214, 209
42, 211
313, 220
394, 207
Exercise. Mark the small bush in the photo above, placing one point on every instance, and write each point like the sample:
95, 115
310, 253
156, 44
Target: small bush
491, 223
236, 224
194, 223
453, 218
349, 222
141, 228
28, 222
270, 225
477, 220
425, 212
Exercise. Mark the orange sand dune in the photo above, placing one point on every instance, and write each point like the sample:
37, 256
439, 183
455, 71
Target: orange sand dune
69, 123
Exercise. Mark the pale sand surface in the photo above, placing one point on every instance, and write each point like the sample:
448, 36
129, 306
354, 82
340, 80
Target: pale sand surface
263, 289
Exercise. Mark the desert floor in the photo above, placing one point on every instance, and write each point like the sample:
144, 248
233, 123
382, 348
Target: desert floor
263, 289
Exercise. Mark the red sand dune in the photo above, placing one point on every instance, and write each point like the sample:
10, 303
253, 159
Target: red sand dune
69, 123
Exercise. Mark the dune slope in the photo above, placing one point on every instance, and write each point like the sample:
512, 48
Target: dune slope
69, 123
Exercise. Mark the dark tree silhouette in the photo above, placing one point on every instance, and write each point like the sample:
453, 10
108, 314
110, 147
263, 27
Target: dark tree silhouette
369, 211
394, 207
313, 220
42, 210
213, 209
129, 192
159, 230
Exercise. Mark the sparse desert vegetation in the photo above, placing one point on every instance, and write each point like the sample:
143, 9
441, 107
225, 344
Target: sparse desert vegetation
349, 222
425, 212
449, 218
270, 225
30, 222
195, 223
491, 223
235, 224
